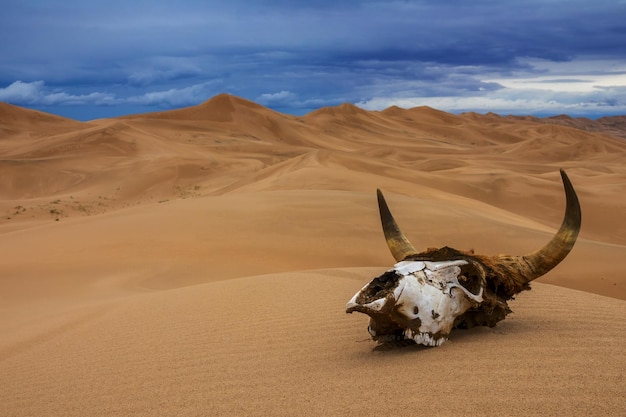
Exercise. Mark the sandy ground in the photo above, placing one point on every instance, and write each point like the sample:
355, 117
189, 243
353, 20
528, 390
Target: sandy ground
198, 262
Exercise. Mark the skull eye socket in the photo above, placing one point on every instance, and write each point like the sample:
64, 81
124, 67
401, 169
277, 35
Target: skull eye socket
379, 287
471, 278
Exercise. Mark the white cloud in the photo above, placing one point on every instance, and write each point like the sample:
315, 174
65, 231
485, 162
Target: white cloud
523, 103
280, 97
564, 83
98, 99
543, 88
173, 97
36, 93
22, 93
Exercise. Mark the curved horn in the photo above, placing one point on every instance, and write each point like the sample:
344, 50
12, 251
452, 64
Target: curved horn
399, 245
543, 260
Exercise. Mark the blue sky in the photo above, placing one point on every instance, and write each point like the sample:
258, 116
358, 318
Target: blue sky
94, 59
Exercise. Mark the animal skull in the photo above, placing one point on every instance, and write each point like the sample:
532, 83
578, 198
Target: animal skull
425, 295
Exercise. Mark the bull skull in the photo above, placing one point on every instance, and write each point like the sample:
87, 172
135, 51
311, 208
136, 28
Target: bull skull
427, 294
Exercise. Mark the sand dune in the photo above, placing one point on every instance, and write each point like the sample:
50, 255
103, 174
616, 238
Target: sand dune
198, 261
282, 345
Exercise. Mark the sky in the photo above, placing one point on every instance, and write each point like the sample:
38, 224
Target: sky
97, 59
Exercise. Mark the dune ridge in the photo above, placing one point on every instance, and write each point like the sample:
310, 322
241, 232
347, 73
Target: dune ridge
198, 261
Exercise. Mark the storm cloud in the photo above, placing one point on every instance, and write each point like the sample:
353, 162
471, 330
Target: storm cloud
99, 59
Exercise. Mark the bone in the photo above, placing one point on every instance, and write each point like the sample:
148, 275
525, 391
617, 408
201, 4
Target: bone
430, 281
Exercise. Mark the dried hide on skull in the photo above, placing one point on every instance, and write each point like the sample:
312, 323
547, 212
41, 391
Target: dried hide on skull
427, 294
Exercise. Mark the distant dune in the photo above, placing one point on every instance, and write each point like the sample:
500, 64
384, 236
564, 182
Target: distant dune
197, 261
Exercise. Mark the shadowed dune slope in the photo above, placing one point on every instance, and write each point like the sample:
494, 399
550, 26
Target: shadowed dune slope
198, 261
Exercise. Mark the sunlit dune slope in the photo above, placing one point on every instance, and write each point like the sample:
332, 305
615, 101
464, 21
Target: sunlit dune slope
282, 345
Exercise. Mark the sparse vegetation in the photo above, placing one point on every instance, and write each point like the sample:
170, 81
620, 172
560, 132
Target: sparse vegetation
189, 192
59, 208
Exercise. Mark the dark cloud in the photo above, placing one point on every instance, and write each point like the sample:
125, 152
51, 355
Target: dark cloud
295, 55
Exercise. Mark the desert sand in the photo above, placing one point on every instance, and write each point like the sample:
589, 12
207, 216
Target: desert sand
197, 262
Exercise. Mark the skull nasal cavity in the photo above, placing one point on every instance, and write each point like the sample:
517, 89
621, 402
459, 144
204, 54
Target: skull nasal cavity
416, 310
434, 314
